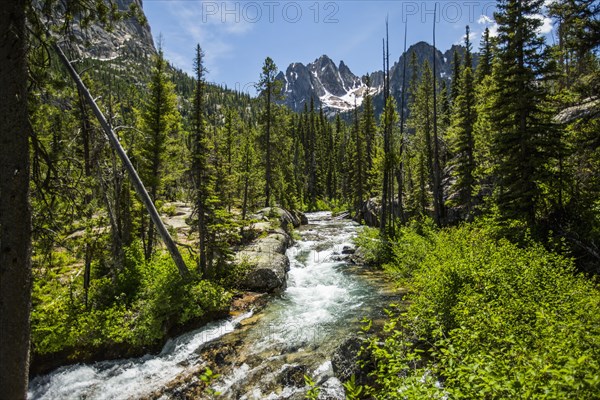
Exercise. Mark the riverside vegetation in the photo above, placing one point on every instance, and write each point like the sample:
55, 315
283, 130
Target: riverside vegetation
486, 318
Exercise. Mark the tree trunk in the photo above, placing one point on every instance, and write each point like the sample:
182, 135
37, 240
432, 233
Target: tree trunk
268, 144
135, 179
15, 212
438, 196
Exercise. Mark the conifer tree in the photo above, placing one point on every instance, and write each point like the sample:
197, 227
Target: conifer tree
269, 88
159, 119
359, 171
421, 121
456, 75
15, 209
461, 131
389, 121
248, 168
202, 175
484, 66
368, 126
523, 136
311, 156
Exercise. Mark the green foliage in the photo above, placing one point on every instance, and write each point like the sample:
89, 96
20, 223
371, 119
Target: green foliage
487, 319
353, 391
313, 390
372, 247
335, 206
208, 377
136, 308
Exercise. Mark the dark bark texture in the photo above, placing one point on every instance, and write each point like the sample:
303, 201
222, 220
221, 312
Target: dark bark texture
15, 212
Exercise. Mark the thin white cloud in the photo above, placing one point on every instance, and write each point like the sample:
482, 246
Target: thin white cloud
489, 23
484, 20
473, 37
214, 25
547, 25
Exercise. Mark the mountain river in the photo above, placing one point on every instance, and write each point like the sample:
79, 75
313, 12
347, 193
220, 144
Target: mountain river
261, 356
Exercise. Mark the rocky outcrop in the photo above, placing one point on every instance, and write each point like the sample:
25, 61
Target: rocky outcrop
293, 375
346, 361
128, 37
368, 213
267, 264
332, 86
288, 219
588, 108
267, 271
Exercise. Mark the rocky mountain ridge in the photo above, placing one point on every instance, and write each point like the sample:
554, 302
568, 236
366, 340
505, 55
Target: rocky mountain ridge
128, 38
337, 89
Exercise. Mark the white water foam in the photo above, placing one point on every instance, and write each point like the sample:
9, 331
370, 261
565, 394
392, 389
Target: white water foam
131, 378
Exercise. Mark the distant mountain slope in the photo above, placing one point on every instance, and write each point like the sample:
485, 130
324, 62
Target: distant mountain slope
128, 38
337, 89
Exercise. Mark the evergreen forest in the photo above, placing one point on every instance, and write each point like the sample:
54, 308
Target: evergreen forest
128, 187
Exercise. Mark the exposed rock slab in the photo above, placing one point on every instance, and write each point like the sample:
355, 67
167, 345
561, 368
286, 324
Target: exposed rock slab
265, 256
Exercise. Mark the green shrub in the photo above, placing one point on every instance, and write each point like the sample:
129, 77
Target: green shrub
488, 319
137, 306
371, 246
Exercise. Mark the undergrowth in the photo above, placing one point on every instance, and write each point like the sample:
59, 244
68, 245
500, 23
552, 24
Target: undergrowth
487, 319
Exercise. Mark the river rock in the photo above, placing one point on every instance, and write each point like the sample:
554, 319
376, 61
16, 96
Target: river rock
348, 250
288, 219
369, 213
293, 375
345, 361
332, 389
358, 258
276, 241
248, 301
267, 271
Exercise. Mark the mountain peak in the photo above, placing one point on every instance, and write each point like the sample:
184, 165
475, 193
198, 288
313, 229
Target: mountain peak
336, 88
333, 88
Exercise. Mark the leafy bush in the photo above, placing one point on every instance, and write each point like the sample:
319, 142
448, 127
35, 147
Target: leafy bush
371, 246
488, 319
136, 307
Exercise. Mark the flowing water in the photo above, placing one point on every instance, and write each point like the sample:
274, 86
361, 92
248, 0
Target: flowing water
269, 353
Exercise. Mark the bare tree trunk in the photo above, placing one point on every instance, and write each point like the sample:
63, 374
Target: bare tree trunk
400, 171
268, 144
86, 133
15, 212
135, 179
438, 198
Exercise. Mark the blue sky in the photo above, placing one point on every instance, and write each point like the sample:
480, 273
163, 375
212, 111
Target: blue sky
238, 35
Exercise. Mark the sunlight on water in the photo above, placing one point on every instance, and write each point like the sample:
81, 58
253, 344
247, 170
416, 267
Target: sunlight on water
132, 378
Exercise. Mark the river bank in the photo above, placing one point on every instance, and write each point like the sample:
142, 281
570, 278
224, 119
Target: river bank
264, 271
269, 352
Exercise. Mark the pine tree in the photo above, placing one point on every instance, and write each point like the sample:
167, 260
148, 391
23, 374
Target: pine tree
389, 121
311, 155
159, 119
269, 88
421, 122
484, 66
248, 168
359, 170
202, 175
368, 127
522, 133
461, 131
15, 211
456, 75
